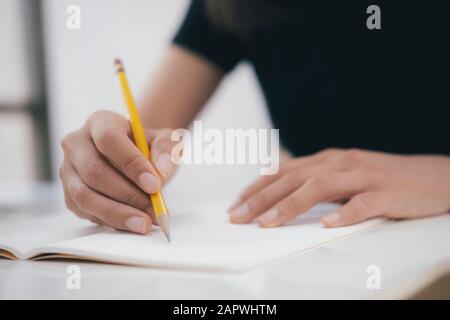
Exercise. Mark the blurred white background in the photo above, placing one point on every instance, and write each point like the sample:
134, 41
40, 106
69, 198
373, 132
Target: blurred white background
15, 92
15, 87
81, 77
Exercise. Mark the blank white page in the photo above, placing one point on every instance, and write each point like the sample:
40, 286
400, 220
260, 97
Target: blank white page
205, 240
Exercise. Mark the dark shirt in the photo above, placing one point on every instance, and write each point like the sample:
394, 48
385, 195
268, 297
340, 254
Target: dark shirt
329, 81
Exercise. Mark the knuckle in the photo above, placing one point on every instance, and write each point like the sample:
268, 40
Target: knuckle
67, 141
354, 155
94, 173
317, 183
257, 200
287, 207
134, 199
80, 194
108, 216
362, 202
292, 179
104, 138
359, 205
330, 152
132, 162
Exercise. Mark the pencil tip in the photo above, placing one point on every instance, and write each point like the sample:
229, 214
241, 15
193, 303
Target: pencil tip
167, 236
163, 221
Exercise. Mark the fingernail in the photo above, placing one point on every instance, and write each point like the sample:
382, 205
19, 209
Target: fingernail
269, 217
332, 218
149, 182
165, 165
240, 212
135, 224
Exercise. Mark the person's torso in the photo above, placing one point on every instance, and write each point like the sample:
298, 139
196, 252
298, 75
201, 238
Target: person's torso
332, 82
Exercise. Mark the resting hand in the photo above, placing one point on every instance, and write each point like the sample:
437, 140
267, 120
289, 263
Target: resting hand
369, 184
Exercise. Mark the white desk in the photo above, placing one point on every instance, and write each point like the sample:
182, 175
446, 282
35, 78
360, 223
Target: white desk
411, 254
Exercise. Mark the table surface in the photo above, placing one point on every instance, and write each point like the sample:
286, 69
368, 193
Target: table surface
410, 254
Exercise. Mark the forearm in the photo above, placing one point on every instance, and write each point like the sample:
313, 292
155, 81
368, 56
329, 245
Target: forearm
181, 87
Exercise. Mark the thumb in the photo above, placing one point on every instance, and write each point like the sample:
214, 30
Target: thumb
361, 207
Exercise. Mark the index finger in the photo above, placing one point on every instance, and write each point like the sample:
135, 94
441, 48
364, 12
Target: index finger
318, 189
115, 144
264, 181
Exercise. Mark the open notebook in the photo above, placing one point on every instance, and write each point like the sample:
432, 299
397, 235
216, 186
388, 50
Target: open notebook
201, 240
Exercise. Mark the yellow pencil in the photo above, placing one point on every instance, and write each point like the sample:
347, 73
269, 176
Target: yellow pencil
156, 199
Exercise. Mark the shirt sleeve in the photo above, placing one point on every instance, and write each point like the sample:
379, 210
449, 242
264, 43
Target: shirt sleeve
200, 36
